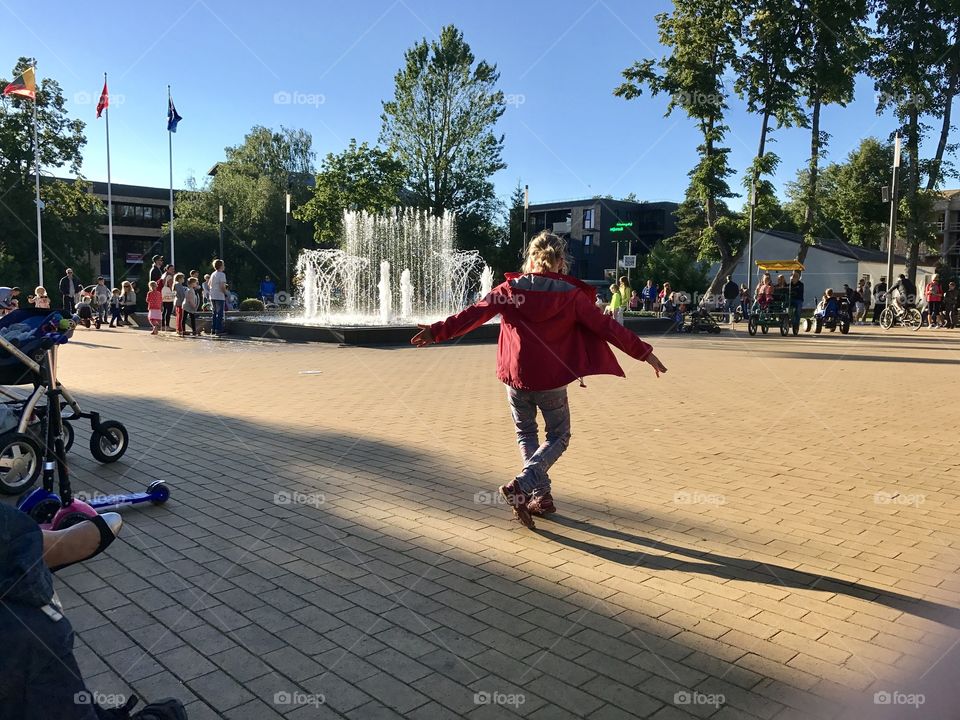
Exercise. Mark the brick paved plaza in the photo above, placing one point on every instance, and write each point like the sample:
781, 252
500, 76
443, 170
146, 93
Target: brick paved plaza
767, 531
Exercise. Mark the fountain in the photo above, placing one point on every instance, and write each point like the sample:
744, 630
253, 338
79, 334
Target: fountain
394, 270
357, 285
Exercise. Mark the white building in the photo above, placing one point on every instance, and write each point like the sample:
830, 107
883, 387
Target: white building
829, 263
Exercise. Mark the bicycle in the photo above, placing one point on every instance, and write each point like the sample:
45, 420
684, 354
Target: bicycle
893, 314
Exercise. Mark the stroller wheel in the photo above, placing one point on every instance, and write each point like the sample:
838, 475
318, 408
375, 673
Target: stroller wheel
67, 436
109, 442
19, 463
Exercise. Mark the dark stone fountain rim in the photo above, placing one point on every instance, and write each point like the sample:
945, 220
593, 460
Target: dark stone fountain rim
246, 326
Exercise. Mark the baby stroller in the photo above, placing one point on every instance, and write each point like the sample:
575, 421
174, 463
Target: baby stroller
698, 320
28, 340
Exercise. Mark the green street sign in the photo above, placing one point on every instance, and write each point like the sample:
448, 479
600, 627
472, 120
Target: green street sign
616, 229
624, 224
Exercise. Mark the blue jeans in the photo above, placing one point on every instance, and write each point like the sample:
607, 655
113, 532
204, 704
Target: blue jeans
729, 308
797, 308
218, 315
538, 458
39, 677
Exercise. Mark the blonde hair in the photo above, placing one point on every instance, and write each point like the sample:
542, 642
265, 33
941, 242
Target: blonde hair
546, 253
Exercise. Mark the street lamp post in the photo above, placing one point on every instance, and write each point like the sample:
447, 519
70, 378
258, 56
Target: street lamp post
892, 233
286, 248
221, 232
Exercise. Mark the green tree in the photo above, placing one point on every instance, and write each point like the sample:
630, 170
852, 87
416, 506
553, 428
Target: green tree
834, 42
909, 73
71, 215
440, 126
701, 36
682, 270
769, 81
360, 178
848, 196
251, 185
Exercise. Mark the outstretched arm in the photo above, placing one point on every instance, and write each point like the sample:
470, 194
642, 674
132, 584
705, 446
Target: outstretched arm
614, 333
463, 322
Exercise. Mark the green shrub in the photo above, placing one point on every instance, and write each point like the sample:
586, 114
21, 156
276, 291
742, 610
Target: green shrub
251, 304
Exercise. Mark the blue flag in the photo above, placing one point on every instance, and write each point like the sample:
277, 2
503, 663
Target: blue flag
172, 116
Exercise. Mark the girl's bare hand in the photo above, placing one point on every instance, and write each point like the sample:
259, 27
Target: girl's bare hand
422, 338
658, 367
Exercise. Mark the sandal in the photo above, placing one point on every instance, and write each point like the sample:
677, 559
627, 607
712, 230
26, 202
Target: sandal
109, 525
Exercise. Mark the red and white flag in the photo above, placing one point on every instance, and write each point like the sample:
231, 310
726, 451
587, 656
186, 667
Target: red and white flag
104, 100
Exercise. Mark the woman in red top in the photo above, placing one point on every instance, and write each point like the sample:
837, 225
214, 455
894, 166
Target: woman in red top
933, 294
551, 333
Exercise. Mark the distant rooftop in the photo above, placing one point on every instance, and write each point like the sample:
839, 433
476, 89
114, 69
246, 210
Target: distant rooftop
838, 247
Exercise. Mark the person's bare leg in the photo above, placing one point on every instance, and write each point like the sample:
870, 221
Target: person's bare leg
63, 547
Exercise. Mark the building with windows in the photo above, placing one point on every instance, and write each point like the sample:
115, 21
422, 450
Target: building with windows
138, 216
601, 230
947, 224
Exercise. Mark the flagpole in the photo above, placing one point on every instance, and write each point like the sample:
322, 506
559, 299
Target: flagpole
106, 110
36, 162
170, 142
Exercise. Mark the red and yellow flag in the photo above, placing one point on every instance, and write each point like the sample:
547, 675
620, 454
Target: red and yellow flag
24, 85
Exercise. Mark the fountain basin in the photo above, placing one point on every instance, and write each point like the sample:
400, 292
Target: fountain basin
295, 330
292, 328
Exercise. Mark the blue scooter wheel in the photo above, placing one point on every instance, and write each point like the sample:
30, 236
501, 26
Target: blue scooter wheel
44, 510
159, 492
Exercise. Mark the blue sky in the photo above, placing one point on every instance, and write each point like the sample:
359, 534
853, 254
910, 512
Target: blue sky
231, 62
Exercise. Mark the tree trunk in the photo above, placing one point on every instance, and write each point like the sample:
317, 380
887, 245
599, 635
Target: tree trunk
913, 188
951, 93
728, 263
810, 213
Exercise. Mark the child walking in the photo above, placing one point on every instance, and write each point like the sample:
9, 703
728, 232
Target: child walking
551, 333
191, 305
116, 304
154, 306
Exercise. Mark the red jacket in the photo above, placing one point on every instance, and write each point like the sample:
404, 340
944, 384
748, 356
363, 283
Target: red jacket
551, 331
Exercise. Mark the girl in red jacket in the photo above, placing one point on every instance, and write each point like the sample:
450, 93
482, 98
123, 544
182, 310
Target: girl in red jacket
551, 333
154, 307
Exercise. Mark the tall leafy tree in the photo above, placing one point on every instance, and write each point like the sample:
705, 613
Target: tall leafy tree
358, 178
251, 184
909, 71
71, 215
849, 201
834, 45
701, 36
440, 125
769, 81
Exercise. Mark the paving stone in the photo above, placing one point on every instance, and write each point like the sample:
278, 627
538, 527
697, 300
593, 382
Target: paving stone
714, 569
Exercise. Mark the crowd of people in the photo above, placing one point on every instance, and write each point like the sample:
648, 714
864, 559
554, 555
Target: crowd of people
173, 299
939, 304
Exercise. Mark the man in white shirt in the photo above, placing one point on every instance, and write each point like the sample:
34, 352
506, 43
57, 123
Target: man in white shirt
218, 295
